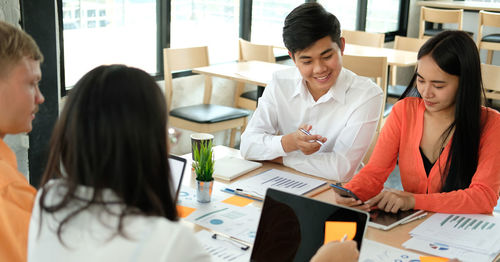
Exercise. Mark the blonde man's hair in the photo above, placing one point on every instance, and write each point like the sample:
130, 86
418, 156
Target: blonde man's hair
14, 45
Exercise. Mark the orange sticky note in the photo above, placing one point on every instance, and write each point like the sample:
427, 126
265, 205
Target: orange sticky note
184, 211
433, 259
336, 230
238, 201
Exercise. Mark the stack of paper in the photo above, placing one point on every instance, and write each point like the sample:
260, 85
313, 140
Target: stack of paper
467, 237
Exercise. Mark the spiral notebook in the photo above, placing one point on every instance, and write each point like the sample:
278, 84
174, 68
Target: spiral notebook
228, 168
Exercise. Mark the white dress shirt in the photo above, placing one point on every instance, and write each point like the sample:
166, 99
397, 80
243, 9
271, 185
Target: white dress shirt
347, 115
91, 235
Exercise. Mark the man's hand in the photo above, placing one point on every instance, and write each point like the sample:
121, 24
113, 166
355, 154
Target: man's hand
393, 200
300, 141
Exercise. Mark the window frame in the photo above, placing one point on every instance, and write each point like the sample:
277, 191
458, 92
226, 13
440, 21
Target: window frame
164, 18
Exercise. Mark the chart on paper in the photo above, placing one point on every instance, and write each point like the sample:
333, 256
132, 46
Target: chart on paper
459, 222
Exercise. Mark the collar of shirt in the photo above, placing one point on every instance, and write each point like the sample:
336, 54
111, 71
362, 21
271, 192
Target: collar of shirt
336, 92
7, 154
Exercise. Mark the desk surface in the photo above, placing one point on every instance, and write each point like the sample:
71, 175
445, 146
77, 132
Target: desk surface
250, 72
466, 5
394, 237
394, 57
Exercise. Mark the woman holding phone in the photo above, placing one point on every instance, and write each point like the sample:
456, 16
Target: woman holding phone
447, 144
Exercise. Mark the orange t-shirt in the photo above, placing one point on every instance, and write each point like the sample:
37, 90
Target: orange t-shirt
400, 138
16, 203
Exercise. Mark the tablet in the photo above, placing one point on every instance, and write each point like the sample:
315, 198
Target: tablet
293, 227
386, 220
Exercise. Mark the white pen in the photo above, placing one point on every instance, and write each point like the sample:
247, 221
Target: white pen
414, 218
344, 238
307, 133
231, 240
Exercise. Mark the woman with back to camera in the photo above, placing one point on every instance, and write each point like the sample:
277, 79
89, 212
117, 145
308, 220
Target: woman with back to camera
446, 142
106, 194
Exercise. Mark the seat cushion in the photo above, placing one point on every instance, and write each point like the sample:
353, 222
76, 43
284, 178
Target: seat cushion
208, 113
252, 95
433, 32
387, 109
491, 38
395, 91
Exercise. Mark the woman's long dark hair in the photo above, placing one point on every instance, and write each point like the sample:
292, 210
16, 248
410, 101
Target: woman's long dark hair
456, 53
112, 134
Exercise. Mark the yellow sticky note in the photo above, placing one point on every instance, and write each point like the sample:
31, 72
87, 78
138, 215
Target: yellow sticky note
238, 201
433, 259
335, 230
184, 211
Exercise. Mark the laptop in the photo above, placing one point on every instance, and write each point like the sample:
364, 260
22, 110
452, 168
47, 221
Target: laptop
293, 227
177, 167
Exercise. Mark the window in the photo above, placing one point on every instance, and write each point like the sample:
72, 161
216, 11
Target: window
124, 32
345, 11
268, 18
206, 22
383, 16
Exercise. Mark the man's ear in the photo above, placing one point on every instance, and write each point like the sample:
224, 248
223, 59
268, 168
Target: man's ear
342, 45
291, 56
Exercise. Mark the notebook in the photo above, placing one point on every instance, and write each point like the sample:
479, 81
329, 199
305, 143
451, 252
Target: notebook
228, 168
177, 167
293, 227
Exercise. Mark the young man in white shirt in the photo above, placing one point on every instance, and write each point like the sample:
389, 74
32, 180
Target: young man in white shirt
339, 108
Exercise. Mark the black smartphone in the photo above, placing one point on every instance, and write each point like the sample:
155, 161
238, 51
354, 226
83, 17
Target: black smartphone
344, 191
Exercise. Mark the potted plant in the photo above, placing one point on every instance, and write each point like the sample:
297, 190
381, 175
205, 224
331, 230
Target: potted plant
203, 165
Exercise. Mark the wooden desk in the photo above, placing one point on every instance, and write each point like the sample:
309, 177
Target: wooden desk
466, 5
394, 57
250, 72
394, 237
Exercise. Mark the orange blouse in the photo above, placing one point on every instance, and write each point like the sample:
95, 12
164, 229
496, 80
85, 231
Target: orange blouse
16, 202
400, 137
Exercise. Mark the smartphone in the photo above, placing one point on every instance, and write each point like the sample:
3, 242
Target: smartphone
344, 191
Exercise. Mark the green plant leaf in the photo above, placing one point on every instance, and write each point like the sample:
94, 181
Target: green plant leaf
203, 161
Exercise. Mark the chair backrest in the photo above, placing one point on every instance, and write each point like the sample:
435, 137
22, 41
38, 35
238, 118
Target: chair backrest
491, 81
369, 66
405, 44
175, 59
249, 51
363, 38
486, 19
442, 16
408, 43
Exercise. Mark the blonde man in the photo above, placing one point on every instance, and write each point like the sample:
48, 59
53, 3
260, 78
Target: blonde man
20, 96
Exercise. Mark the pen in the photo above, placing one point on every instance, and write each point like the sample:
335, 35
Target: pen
307, 133
242, 193
343, 238
415, 218
231, 240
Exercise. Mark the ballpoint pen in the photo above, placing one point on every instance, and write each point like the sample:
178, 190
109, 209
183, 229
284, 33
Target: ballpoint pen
231, 240
343, 238
414, 218
307, 133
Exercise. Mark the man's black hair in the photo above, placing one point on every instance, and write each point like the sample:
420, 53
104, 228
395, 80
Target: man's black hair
308, 23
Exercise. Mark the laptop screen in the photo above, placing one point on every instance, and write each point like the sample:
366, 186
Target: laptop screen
177, 166
293, 227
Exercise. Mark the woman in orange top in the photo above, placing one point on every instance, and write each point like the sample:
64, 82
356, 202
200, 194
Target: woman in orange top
446, 142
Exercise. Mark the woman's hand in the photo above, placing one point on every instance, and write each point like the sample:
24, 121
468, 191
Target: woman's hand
393, 200
337, 251
351, 202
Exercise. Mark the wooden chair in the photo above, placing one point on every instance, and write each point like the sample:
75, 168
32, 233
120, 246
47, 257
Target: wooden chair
491, 82
363, 38
440, 16
206, 117
490, 42
373, 67
395, 91
249, 51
